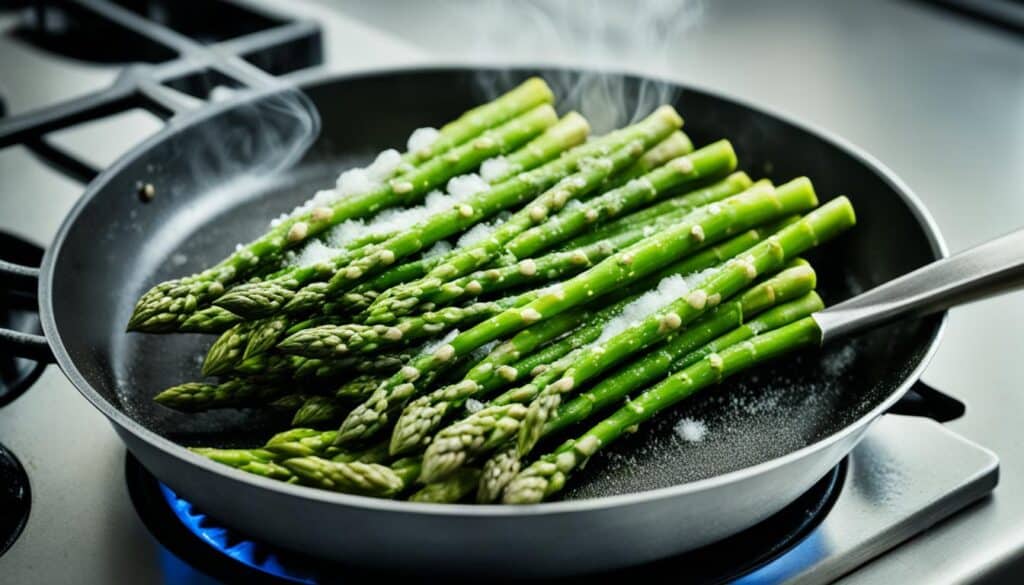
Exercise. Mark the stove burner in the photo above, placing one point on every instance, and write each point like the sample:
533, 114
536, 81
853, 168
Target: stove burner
15, 499
202, 546
18, 311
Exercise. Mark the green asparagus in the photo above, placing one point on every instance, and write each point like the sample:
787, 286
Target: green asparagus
168, 304
548, 475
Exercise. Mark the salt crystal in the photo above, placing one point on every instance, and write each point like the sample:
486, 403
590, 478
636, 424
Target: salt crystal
422, 138
354, 182
473, 405
690, 430
313, 253
465, 186
384, 166
668, 290
476, 234
440, 248
493, 169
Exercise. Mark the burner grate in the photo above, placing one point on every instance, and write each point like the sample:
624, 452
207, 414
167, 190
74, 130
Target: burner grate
171, 50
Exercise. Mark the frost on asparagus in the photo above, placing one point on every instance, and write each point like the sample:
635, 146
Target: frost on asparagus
668, 290
422, 139
393, 221
355, 181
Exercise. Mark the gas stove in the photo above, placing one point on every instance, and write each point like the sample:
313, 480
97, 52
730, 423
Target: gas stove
76, 508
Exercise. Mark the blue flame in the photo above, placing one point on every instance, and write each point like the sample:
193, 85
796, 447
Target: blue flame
247, 552
258, 557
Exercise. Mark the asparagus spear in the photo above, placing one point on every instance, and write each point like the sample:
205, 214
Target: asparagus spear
246, 340
211, 319
278, 367
302, 442
450, 449
474, 122
734, 183
567, 263
588, 177
319, 410
752, 207
168, 304
366, 479
335, 340
549, 474
269, 296
365, 293
661, 123
677, 144
359, 387
228, 349
792, 240
711, 161
265, 336
675, 355
289, 403
236, 393
449, 490
729, 280
423, 415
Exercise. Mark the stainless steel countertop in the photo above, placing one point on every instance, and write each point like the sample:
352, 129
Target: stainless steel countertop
938, 98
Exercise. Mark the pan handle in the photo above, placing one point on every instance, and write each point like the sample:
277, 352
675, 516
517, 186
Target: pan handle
23, 281
991, 268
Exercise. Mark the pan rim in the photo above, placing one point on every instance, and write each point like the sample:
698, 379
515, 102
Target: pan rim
482, 512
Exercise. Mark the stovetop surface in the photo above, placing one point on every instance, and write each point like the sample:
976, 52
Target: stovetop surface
939, 99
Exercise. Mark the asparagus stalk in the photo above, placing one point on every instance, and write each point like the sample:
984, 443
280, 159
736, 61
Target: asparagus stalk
289, 403
676, 354
279, 367
200, 396
450, 448
364, 294
319, 410
419, 419
730, 279
769, 255
165, 306
328, 341
676, 145
655, 127
567, 263
451, 489
734, 183
711, 161
589, 176
366, 479
269, 296
752, 207
358, 388
227, 351
474, 122
265, 336
212, 319
548, 475
541, 361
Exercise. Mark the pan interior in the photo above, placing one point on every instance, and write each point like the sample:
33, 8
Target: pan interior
119, 246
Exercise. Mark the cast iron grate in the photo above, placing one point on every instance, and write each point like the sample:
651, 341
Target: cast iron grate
171, 52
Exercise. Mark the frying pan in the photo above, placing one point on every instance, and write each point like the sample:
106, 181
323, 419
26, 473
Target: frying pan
771, 433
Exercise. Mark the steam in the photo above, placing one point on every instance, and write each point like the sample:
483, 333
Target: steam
266, 129
606, 38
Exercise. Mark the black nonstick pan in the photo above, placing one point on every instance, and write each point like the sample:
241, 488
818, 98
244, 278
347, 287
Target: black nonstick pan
772, 433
